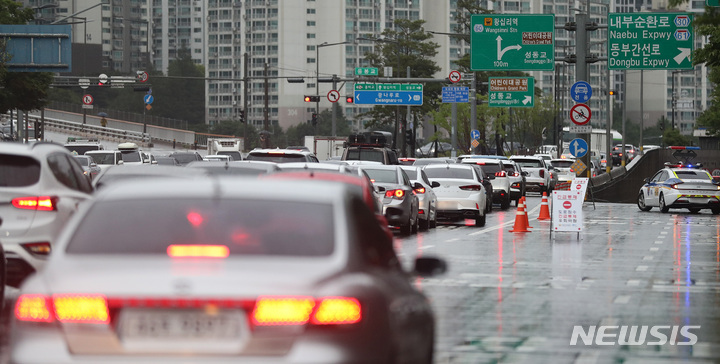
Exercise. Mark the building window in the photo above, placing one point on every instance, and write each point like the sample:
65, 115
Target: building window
311, 11
311, 36
311, 23
310, 60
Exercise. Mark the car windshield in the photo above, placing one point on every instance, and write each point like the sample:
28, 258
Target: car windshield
687, 175
529, 163
131, 156
84, 160
184, 158
382, 175
244, 226
18, 171
234, 155
490, 169
365, 154
276, 157
562, 164
166, 161
460, 173
81, 149
103, 158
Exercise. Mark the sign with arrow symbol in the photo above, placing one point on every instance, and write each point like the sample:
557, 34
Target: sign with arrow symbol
511, 92
578, 147
524, 42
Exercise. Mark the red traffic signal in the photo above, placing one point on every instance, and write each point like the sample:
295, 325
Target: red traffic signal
349, 99
312, 98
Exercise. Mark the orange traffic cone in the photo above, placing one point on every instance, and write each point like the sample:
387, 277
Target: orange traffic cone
527, 218
520, 219
544, 208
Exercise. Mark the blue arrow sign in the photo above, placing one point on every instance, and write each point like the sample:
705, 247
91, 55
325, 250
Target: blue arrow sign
578, 147
388, 97
581, 92
455, 94
475, 134
148, 99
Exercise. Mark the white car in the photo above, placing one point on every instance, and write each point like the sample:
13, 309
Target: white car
131, 154
495, 169
218, 157
677, 188
105, 158
461, 194
538, 178
562, 168
427, 212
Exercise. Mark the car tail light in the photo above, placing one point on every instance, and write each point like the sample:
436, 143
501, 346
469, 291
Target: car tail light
89, 309
198, 251
34, 308
337, 311
572, 170
420, 190
274, 311
620, 154
515, 185
542, 173
471, 188
514, 174
42, 203
398, 194
500, 174
42, 248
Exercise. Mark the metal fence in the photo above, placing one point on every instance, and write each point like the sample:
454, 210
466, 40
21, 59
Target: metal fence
123, 115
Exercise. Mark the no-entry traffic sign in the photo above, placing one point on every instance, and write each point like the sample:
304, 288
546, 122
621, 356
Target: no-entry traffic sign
333, 96
454, 77
580, 114
87, 99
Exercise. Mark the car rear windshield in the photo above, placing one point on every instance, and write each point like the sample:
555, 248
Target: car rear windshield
131, 156
490, 169
562, 164
382, 175
244, 226
461, 173
365, 154
184, 158
529, 163
18, 171
276, 157
684, 175
83, 160
103, 158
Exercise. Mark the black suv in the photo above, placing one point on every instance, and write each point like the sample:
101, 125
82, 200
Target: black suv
373, 146
617, 153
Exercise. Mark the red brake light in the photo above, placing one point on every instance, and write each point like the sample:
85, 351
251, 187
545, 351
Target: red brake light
89, 309
337, 310
542, 173
273, 311
42, 203
500, 174
42, 248
33, 307
471, 188
399, 194
420, 190
198, 251
481, 163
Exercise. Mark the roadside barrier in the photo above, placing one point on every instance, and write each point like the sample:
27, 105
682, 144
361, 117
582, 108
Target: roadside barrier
544, 208
521, 220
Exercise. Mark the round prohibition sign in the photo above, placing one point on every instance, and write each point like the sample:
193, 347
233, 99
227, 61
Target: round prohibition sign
454, 77
87, 99
333, 96
580, 114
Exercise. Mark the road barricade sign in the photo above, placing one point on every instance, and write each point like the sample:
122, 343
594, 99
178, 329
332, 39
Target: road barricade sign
567, 212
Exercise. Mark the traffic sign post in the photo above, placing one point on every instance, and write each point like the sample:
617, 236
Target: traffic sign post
660, 41
580, 114
455, 94
511, 92
517, 42
366, 71
581, 91
388, 94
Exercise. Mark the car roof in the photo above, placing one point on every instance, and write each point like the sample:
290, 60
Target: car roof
534, 157
30, 149
449, 165
482, 160
281, 151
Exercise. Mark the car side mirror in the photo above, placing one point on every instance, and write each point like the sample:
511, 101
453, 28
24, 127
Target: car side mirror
490, 177
119, 162
647, 180
525, 173
435, 184
380, 188
93, 165
429, 266
153, 162
417, 185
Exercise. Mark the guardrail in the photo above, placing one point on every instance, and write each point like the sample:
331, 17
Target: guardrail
89, 130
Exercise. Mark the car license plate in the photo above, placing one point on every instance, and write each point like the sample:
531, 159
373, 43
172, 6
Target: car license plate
181, 324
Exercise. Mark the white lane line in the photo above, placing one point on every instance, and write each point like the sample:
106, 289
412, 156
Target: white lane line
451, 240
505, 224
427, 247
633, 282
641, 268
663, 233
648, 257
654, 249
622, 299
658, 242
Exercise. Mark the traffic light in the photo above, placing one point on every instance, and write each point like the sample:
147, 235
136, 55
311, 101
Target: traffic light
314, 119
241, 114
312, 98
611, 93
408, 136
349, 99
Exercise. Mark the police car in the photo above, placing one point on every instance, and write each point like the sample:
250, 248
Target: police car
680, 185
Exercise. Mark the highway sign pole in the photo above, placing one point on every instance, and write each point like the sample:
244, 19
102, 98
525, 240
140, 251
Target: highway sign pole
581, 44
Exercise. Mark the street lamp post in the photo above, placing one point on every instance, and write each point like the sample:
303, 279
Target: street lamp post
317, 76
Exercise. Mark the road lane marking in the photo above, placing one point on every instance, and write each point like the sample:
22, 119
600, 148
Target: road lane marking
451, 240
633, 282
622, 299
654, 249
641, 268
427, 247
658, 242
504, 225
648, 257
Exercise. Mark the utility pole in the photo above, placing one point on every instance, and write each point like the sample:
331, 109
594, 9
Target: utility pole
473, 108
266, 110
407, 120
246, 88
334, 107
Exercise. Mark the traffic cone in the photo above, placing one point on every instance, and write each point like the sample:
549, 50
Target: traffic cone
520, 219
544, 208
527, 218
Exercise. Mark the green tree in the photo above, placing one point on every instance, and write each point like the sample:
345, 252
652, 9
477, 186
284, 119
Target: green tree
673, 137
407, 45
20, 90
238, 129
181, 98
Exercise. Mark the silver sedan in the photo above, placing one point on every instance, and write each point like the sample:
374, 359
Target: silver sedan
427, 211
400, 203
203, 271
461, 193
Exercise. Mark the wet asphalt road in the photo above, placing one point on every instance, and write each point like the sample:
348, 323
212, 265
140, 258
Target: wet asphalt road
515, 297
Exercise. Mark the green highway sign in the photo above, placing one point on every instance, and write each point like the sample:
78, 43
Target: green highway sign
388, 87
657, 41
366, 71
511, 92
517, 42
712, 2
